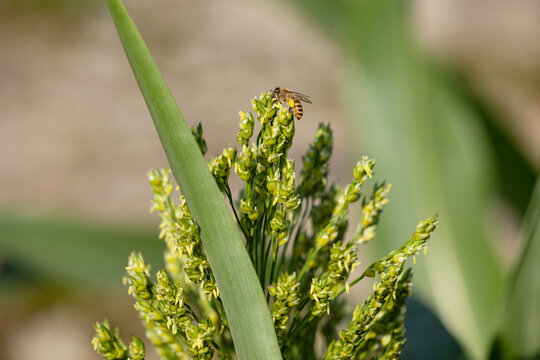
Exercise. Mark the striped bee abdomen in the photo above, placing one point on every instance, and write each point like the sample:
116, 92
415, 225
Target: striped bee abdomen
297, 109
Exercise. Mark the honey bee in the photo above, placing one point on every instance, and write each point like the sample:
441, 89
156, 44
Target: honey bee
292, 99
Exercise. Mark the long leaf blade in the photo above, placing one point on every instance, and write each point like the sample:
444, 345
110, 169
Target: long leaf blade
243, 299
520, 326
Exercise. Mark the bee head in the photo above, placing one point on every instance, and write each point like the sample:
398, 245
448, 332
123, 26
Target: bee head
276, 91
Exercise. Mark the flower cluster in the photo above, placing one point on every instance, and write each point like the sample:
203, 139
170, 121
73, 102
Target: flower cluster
355, 337
393, 286
109, 345
285, 291
371, 212
170, 325
162, 189
335, 229
324, 289
289, 229
411, 247
181, 234
315, 162
270, 195
137, 350
385, 339
141, 288
220, 167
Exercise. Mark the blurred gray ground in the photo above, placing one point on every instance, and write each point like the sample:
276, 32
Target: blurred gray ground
494, 43
75, 136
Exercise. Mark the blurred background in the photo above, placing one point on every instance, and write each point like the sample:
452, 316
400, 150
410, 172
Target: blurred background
445, 94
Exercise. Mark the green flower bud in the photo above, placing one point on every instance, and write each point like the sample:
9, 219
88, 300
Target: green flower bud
199, 339
363, 169
247, 123
137, 350
220, 167
286, 294
246, 163
198, 135
108, 343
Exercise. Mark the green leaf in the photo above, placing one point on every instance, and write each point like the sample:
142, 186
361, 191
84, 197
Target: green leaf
249, 318
433, 147
436, 153
520, 327
73, 252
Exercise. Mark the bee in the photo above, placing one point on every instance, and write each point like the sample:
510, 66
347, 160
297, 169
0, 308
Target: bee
293, 99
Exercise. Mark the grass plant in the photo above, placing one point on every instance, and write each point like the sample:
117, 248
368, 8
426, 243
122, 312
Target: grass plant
263, 281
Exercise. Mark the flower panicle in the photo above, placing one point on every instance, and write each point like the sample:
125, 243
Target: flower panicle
162, 188
199, 338
387, 290
169, 325
286, 293
138, 277
314, 173
179, 319
385, 339
411, 247
181, 310
362, 171
326, 288
281, 185
111, 347
351, 338
220, 167
137, 351
170, 302
246, 162
247, 124
337, 225
142, 289
181, 233
371, 213
268, 173
108, 343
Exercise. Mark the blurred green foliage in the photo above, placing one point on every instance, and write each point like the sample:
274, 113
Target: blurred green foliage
69, 251
445, 154
519, 330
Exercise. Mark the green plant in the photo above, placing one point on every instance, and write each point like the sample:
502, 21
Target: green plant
294, 256
450, 152
295, 236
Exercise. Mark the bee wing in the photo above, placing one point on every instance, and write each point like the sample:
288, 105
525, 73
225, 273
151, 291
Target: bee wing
301, 97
